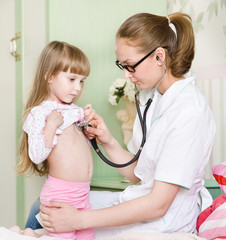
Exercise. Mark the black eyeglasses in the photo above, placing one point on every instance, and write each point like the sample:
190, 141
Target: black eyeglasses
132, 68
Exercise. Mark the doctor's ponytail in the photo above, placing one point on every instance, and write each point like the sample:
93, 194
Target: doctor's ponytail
183, 54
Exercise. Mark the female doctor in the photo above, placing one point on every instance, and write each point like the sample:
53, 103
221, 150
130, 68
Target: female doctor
156, 54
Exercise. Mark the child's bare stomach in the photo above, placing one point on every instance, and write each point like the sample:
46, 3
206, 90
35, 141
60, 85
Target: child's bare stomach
71, 159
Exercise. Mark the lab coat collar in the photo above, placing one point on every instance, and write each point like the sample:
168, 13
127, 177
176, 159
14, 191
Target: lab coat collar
167, 99
176, 87
146, 94
161, 103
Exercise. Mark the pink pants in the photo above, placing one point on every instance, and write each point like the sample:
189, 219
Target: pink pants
73, 193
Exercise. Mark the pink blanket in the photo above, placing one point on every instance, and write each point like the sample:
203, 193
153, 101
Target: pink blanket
211, 223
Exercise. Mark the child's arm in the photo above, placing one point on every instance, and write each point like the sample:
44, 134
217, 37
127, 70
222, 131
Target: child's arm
53, 121
40, 127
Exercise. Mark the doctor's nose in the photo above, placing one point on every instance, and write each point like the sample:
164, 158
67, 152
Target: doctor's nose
127, 74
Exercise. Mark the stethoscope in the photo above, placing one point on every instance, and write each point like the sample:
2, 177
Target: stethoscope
84, 124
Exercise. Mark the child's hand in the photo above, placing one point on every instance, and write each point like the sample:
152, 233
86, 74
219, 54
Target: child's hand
55, 119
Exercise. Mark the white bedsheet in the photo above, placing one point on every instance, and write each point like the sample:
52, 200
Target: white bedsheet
6, 234
155, 236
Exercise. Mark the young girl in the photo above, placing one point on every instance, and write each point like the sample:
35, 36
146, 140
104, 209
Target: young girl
52, 143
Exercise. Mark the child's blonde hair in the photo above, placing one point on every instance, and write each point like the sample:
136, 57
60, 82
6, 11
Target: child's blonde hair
56, 57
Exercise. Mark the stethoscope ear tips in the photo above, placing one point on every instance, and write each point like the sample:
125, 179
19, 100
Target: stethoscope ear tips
158, 59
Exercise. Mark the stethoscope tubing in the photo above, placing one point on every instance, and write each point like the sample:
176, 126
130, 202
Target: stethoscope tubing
144, 130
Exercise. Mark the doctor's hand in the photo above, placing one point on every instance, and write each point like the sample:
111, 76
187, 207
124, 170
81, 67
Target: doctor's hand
60, 217
98, 128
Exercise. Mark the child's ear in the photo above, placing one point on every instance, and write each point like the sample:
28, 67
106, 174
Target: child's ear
50, 80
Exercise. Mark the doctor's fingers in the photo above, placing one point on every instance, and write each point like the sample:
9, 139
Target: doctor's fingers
102, 136
88, 106
48, 227
43, 214
89, 114
93, 116
47, 223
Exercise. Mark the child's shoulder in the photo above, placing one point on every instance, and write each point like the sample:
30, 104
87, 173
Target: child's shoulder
44, 107
42, 110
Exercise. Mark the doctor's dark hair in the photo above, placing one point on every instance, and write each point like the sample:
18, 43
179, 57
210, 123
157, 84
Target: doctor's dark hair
56, 57
148, 31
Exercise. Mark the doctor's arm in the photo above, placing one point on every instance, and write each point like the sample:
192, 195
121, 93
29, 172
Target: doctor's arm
114, 150
144, 208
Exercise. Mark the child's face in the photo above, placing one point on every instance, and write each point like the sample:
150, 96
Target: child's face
65, 86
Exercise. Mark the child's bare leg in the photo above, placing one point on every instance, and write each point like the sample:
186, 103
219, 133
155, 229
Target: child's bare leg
15, 229
31, 232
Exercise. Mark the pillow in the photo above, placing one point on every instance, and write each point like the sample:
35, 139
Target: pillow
219, 173
215, 224
211, 223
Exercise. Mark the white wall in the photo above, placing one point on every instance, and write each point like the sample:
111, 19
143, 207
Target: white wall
34, 40
7, 119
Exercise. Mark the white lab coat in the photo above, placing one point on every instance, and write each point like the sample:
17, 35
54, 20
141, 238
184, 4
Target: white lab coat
180, 134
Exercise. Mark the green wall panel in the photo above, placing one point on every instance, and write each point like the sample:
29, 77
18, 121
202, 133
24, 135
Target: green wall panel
19, 110
91, 25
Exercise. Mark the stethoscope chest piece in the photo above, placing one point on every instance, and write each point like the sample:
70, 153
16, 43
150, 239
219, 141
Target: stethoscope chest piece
82, 125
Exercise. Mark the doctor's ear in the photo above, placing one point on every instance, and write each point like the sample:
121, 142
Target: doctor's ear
160, 54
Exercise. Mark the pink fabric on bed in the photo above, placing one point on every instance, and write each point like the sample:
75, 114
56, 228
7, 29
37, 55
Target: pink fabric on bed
219, 173
205, 214
211, 223
215, 224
